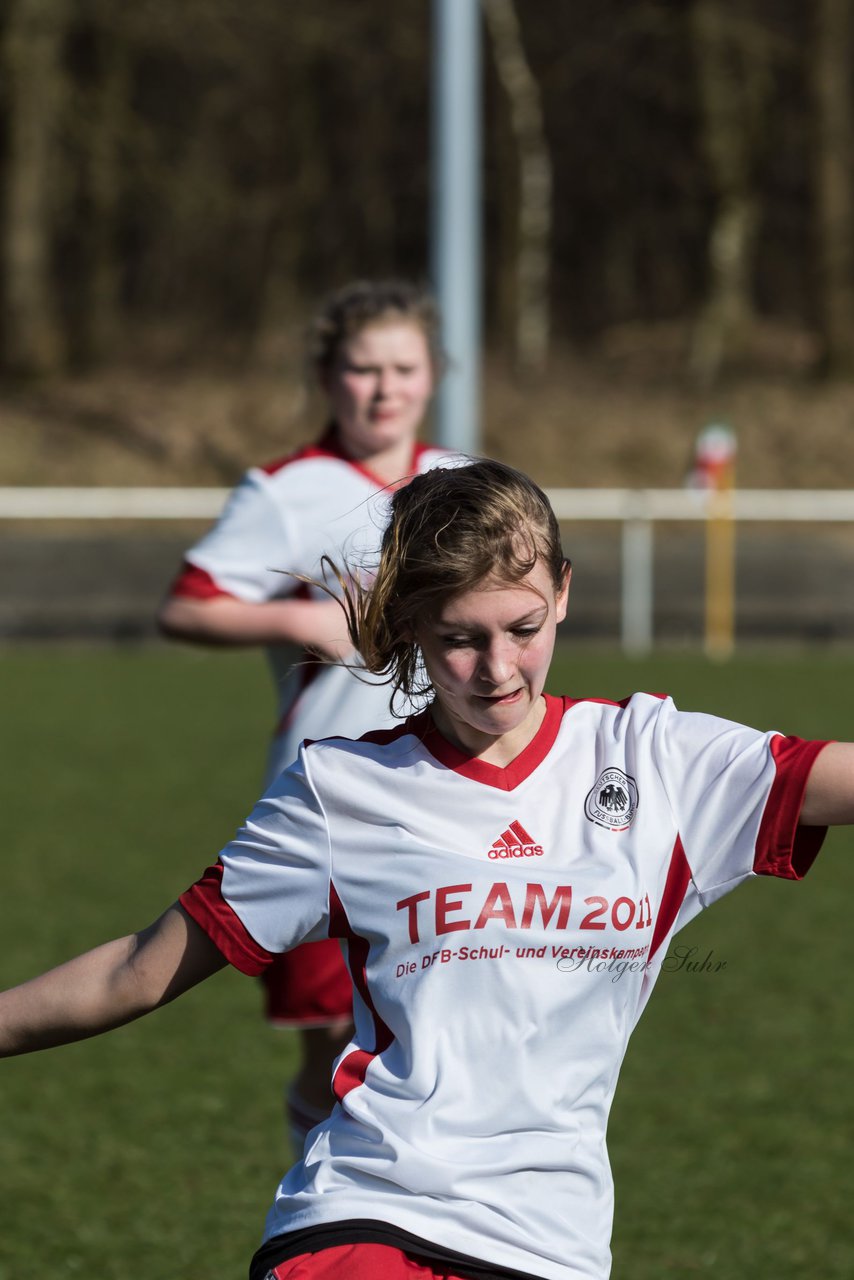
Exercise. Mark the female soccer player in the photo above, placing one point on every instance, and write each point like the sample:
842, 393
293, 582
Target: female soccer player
489, 867
375, 351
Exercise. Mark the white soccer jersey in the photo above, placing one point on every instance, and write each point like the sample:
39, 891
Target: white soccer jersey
503, 928
280, 520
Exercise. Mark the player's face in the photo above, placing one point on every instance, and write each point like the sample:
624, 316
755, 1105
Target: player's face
487, 653
379, 387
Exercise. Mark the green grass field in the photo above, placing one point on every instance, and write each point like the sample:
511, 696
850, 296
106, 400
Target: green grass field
153, 1152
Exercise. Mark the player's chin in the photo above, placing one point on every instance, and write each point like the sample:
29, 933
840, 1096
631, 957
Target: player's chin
502, 715
379, 422
392, 424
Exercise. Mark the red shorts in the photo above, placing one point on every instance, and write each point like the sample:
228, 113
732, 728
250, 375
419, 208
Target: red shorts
309, 987
358, 1262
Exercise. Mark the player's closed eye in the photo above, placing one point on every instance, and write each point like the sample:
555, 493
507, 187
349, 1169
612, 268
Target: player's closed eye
474, 642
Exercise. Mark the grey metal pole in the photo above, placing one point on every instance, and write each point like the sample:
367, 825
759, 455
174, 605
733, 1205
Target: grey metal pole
637, 586
456, 216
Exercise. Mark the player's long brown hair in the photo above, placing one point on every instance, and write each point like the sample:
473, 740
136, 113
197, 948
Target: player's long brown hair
450, 529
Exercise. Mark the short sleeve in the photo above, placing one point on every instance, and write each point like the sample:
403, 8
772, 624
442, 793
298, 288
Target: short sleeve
269, 889
250, 550
736, 795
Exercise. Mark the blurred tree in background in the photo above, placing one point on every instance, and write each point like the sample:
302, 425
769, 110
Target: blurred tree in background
185, 179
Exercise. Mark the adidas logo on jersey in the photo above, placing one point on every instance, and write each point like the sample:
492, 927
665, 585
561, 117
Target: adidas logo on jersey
515, 843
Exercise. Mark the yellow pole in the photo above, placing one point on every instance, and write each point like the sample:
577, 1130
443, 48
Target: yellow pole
720, 566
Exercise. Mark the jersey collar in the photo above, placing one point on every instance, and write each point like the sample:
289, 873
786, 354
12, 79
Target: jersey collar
504, 778
329, 445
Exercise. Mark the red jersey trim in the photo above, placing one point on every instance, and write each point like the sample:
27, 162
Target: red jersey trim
611, 702
509, 777
783, 848
378, 736
205, 903
325, 447
353, 1068
195, 583
675, 889
416, 725
329, 446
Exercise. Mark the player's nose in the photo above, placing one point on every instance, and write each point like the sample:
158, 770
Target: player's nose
496, 663
384, 385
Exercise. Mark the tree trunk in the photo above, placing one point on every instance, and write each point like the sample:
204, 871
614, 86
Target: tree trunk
834, 196
733, 88
34, 30
110, 130
533, 246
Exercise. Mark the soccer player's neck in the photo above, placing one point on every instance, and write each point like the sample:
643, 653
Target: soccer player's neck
389, 465
499, 749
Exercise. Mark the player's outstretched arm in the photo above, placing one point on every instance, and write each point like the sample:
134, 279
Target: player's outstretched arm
224, 620
829, 797
109, 986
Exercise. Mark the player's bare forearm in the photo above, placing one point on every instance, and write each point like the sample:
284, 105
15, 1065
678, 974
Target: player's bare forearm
81, 998
829, 796
224, 620
108, 986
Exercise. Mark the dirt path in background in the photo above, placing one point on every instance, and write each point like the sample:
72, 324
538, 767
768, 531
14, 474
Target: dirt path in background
623, 417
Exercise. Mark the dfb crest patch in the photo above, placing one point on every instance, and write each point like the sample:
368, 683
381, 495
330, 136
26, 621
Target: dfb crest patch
612, 801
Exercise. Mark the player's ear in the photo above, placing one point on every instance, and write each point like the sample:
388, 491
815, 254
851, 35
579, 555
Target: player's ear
563, 593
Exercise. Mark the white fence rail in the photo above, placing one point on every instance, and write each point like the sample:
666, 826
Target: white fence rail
636, 510
20, 503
